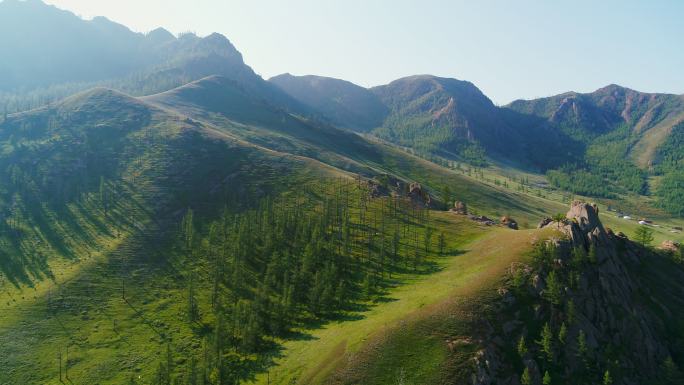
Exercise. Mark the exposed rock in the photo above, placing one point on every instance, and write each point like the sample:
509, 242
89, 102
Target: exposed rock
509, 222
417, 194
583, 226
482, 219
544, 222
460, 208
607, 310
670, 246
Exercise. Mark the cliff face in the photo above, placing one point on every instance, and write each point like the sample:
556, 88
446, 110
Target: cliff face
580, 308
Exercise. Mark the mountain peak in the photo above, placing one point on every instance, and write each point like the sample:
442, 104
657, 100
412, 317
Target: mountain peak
160, 35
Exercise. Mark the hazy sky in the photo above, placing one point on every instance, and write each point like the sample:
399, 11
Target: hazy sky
510, 49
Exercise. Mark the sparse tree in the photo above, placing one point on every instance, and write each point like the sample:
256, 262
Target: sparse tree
442, 243
607, 379
559, 218
562, 334
582, 348
526, 379
553, 291
522, 346
546, 342
643, 235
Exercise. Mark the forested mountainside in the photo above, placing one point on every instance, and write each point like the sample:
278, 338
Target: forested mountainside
605, 144
192, 223
113, 205
577, 304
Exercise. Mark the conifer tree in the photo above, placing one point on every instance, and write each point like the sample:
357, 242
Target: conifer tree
582, 348
562, 334
546, 342
442, 243
607, 378
553, 291
526, 379
522, 347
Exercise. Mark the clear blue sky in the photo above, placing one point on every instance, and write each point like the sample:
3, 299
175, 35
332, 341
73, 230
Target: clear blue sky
510, 49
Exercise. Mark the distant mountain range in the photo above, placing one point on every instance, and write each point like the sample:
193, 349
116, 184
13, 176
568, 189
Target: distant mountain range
605, 143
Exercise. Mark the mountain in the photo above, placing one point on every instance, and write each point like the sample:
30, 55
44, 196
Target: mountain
107, 200
604, 110
627, 136
433, 115
607, 143
343, 103
99, 52
192, 223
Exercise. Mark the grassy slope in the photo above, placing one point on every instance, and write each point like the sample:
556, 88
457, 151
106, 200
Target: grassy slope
341, 347
105, 350
76, 301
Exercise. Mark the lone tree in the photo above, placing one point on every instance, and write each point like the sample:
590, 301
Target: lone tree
558, 218
644, 235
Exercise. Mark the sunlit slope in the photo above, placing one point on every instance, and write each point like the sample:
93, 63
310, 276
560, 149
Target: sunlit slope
406, 331
91, 188
220, 103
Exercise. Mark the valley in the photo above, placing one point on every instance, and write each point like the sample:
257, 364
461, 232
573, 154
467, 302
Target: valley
168, 216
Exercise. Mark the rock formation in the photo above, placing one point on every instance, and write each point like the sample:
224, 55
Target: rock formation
607, 309
417, 194
509, 222
460, 208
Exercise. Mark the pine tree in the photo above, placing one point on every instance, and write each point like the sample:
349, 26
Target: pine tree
427, 239
670, 373
193, 308
526, 379
442, 243
582, 348
562, 334
547, 378
570, 309
522, 347
546, 342
553, 291
607, 379
592, 254
643, 235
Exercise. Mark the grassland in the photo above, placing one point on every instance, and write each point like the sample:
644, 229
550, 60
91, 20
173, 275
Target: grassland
389, 332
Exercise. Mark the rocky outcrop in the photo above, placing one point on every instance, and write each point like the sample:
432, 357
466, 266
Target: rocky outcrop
509, 222
670, 246
544, 222
460, 208
482, 219
417, 194
606, 309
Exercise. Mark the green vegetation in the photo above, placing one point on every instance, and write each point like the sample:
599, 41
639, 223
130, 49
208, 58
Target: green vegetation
643, 235
219, 233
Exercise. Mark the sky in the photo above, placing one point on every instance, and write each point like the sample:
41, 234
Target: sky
509, 49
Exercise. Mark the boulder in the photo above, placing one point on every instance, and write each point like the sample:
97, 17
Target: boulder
460, 208
670, 246
482, 219
509, 222
544, 222
417, 194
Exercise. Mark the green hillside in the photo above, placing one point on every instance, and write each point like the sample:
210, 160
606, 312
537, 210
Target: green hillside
169, 217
